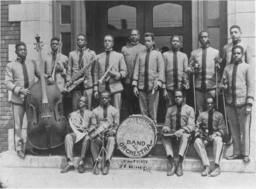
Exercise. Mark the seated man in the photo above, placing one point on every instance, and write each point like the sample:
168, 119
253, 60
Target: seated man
179, 120
104, 112
71, 137
210, 127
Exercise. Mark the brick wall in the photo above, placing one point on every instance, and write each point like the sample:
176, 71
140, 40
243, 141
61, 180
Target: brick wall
10, 34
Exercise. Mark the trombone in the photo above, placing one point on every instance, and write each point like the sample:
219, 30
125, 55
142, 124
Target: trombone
105, 76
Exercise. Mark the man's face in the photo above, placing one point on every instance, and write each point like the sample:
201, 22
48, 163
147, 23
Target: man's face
209, 104
204, 38
178, 98
149, 42
81, 41
104, 99
82, 102
21, 51
175, 43
108, 42
134, 37
237, 55
54, 45
235, 34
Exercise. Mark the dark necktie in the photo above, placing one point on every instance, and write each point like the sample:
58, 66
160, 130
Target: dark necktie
53, 60
25, 73
210, 121
146, 71
82, 113
106, 67
234, 82
204, 54
105, 112
80, 58
175, 69
178, 116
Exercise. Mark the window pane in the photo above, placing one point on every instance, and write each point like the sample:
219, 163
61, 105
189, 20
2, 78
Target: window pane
167, 15
65, 14
214, 37
213, 9
66, 43
122, 17
163, 43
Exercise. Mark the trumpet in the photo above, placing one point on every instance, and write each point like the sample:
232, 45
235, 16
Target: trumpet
105, 76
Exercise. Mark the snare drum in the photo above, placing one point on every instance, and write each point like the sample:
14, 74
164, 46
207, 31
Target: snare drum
136, 136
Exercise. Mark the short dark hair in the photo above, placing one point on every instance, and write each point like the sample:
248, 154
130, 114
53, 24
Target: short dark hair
20, 44
55, 39
173, 37
105, 91
81, 34
108, 35
235, 26
149, 34
199, 35
179, 90
238, 47
135, 30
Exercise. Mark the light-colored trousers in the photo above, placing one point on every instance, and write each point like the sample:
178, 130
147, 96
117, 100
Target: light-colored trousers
201, 98
96, 145
240, 125
69, 144
116, 101
149, 104
76, 94
217, 149
183, 144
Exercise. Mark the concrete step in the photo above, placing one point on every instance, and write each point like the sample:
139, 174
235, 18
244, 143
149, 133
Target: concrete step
10, 159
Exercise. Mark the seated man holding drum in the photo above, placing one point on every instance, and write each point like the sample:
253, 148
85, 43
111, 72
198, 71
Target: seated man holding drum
104, 113
179, 123
72, 138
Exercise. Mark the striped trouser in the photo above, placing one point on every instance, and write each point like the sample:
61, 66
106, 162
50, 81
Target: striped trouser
217, 148
183, 144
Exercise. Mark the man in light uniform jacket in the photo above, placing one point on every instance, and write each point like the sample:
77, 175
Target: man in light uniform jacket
176, 65
239, 98
148, 77
78, 59
213, 122
118, 71
205, 80
179, 120
130, 52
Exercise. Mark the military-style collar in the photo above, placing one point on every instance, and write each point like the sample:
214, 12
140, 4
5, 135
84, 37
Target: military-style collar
81, 49
109, 50
20, 59
107, 105
213, 110
54, 52
183, 104
205, 46
175, 50
133, 44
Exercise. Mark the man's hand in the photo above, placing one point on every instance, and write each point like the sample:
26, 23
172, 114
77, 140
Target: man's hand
113, 73
186, 85
50, 81
96, 94
136, 91
24, 92
212, 136
165, 94
190, 71
248, 109
197, 134
111, 133
166, 129
224, 87
205, 142
59, 68
179, 132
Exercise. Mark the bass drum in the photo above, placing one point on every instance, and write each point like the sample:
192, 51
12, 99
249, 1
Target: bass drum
136, 136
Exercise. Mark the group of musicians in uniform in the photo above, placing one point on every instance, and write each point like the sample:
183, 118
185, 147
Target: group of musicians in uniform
141, 71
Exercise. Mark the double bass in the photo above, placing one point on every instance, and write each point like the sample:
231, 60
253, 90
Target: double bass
46, 127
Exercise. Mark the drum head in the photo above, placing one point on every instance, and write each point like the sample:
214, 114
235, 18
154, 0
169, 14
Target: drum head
136, 136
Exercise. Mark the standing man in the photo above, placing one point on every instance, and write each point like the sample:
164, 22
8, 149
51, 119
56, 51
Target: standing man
104, 112
235, 34
20, 75
130, 52
70, 138
59, 68
176, 65
239, 97
148, 77
179, 120
113, 63
79, 59
205, 79
213, 122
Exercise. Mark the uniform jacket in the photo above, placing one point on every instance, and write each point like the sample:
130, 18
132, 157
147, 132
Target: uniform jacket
14, 78
155, 70
169, 69
60, 76
187, 118
112, 116
196, 56
87, 116
130, 53
218, 122
244, 84
227, 53
115, 84
73, 65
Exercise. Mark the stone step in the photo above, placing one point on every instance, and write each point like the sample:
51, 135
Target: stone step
159, 163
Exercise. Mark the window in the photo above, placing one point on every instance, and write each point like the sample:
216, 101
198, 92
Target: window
65, 14
167, 15
122, 17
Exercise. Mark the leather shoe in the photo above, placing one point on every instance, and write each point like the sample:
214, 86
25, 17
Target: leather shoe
81, 168
179, 171
96, 170
215, 172
246, 159
171, 169
234, 156
206, 171
68, 168
21, 154
105, 170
